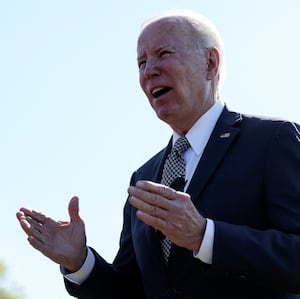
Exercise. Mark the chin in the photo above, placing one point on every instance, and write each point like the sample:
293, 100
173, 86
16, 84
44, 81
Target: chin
166, 117
168, 112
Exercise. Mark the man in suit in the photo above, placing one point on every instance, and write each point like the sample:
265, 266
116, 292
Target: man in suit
234, 227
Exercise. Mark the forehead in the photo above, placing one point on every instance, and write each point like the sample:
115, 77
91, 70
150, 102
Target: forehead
161, 33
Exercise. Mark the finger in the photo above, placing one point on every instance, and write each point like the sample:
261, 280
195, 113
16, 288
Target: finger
20, 215
74, 209
156, 188
30, 226
25, 225
36, 215
155, 222
145, 198
150, 209
152, 193
37, 244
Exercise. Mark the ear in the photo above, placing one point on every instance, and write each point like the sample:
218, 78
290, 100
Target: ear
212, 63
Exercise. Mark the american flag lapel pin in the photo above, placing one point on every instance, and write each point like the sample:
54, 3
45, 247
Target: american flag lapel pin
225, 135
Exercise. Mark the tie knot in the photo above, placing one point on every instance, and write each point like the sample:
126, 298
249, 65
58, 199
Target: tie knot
181, 145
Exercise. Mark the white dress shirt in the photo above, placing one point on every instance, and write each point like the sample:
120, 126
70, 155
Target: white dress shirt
198, 137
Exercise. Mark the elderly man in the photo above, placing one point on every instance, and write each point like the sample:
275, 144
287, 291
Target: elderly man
215, 214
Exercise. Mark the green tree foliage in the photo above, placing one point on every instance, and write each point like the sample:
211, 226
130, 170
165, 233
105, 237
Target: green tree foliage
5, 292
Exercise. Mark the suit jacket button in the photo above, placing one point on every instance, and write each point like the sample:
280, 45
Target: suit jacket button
171, 292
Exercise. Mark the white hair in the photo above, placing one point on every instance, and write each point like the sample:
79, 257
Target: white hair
205, 33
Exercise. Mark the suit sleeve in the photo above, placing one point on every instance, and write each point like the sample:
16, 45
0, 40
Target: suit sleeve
121, 279
269, 257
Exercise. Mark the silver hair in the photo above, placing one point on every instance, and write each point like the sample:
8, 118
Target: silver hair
204, 32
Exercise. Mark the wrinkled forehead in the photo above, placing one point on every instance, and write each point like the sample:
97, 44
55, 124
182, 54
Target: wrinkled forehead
166, 31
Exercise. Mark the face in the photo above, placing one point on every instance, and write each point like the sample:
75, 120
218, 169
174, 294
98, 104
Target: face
173, 74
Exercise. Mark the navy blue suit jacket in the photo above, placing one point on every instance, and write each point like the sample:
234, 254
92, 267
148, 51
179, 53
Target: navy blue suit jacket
248, 182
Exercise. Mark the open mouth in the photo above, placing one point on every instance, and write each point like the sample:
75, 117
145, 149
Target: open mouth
159, 91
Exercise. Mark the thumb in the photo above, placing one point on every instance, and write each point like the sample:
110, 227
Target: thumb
74, 209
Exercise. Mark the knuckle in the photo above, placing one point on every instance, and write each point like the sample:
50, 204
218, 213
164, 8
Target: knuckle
153, 211
155, 200
170, 193
164, 190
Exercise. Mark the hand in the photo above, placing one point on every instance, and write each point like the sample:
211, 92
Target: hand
172, 212
62, 241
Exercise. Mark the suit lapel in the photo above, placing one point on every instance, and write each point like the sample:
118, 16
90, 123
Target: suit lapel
158, 168
153, 236
221, 138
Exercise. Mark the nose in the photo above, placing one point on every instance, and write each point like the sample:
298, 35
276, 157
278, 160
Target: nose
151, 69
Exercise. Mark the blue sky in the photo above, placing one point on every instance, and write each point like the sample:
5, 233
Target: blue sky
75, 122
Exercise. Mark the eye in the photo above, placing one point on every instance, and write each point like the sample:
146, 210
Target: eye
164, 53
141, 63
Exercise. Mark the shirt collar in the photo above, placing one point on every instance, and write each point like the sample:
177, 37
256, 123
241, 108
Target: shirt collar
203, 127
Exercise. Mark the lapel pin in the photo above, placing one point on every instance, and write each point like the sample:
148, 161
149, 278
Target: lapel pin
225, 135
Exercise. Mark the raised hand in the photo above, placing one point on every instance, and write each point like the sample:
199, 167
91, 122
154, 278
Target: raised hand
64, 242
170, 211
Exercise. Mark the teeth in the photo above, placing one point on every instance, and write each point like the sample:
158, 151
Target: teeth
156, 90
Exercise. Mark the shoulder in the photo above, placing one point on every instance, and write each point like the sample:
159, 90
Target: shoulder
275, 126
260, 122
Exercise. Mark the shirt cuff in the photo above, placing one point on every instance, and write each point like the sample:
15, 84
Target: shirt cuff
206, 249
83, 273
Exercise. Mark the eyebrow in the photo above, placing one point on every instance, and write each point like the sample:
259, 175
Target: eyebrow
157, 50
